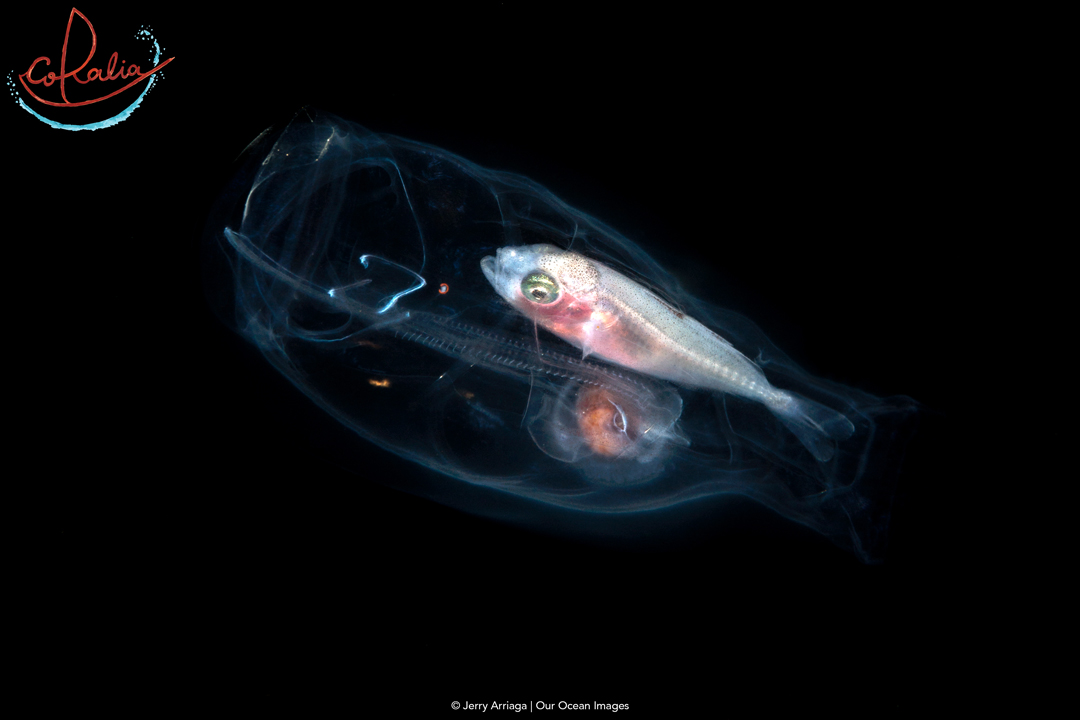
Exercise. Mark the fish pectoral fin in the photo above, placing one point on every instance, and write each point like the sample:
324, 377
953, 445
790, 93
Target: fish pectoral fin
586, 347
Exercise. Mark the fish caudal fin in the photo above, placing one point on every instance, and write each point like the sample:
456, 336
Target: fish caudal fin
817, 427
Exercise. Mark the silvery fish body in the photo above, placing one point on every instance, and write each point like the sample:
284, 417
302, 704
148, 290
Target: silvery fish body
609, 316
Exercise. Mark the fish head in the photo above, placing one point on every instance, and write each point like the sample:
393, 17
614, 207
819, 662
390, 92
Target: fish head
541, 280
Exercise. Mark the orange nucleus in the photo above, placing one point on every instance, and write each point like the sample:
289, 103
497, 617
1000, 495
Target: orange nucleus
603, 420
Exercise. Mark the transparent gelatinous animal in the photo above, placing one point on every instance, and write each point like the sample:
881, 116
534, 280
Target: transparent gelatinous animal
358, 265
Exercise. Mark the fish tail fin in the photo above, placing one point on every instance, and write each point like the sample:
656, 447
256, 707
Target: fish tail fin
817, 427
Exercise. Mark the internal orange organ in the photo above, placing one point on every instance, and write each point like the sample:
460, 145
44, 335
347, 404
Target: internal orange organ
607, 423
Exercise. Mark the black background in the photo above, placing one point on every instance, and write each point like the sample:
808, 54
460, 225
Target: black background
808, 172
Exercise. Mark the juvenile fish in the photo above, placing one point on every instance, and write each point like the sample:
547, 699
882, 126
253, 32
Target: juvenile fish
608, 315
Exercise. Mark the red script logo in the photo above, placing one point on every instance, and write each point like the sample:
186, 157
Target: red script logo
36, 75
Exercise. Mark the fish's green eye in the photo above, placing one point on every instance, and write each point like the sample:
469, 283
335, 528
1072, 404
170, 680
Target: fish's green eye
540, 288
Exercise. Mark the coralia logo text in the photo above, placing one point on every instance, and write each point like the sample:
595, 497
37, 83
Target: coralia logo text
75, 84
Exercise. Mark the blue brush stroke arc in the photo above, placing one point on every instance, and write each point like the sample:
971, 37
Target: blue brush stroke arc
115, 119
